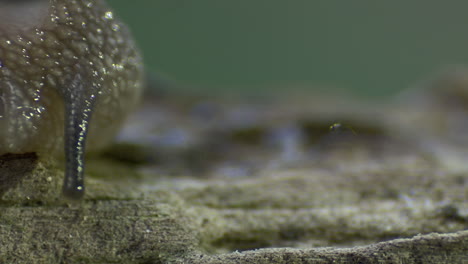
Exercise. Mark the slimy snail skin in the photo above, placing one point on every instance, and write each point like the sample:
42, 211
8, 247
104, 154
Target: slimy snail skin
69, 75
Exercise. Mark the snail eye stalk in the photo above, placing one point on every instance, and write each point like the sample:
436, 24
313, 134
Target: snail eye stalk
79, 104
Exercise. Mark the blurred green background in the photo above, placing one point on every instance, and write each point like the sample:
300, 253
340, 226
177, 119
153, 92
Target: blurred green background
364, 47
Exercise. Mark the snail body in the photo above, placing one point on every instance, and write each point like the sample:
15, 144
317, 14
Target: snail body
69, 75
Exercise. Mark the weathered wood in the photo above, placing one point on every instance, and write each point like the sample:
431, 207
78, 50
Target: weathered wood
382, 197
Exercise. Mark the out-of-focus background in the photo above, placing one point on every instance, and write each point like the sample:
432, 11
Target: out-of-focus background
363, 47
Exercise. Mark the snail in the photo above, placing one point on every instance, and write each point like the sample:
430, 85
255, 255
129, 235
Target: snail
69, 75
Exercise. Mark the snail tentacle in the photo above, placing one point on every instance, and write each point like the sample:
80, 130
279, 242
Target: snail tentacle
79, 103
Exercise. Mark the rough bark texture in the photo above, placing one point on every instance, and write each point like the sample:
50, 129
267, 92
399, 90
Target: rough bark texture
381, 187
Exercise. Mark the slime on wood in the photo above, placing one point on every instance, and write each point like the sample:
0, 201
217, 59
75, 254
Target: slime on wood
69, 75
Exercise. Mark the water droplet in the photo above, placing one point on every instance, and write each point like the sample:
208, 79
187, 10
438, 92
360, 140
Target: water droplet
108, 15
115, 27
